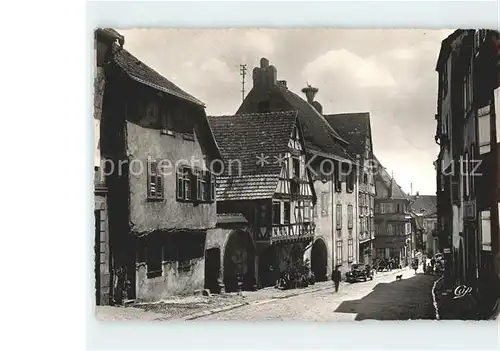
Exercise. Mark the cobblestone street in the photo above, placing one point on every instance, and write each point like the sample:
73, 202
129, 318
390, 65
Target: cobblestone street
384, 298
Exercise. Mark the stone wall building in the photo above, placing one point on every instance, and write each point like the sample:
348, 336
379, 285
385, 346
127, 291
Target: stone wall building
392, 219
103, 41
356, 129
468, 120
157, 142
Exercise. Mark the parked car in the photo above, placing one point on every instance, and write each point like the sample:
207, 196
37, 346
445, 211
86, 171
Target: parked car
359, 272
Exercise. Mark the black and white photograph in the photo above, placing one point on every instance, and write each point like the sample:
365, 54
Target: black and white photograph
310, 175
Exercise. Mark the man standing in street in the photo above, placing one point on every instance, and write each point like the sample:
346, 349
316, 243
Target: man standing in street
336, 277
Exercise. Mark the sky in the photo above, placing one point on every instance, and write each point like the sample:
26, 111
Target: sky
389, 73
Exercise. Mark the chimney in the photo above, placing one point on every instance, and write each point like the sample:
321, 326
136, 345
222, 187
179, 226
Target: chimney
265, 75
310, 93
318, 107
283, 83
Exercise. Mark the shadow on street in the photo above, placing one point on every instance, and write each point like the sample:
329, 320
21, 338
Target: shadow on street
410, 298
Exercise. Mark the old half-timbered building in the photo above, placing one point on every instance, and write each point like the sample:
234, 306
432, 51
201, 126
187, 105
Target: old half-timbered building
156, 140
265, 199
356, 129
332, 168
103, 40
392, 219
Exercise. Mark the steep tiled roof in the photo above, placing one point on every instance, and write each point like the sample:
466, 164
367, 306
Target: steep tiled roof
318, 134
353, 127
395, 190
244, 140
425, 205
246, 187
144, 74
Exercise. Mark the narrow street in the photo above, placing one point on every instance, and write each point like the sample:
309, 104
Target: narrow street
384, 298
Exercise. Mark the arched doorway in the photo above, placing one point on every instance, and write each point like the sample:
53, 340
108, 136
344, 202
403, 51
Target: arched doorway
319, 260
239, 262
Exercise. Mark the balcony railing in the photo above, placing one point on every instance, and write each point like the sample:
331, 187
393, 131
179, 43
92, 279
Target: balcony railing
303, 230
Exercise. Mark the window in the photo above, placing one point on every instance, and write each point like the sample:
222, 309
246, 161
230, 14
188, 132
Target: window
299, 207
485, 230
350, 181
483, 116
350, 250
204, 185
466, 175
276, 213
349, 216
339, 233
307, 211
338, 216
184, 183
296, 167
338, 182
390, 229
389, 208
377, 208
338, 252
315, 211
155, 181
365, 179
154, 260
286, 212
195, 185
324, 204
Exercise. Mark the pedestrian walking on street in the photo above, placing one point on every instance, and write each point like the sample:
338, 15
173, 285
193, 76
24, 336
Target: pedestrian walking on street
336, 277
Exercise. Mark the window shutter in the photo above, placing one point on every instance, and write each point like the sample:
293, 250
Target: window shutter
193, 176
197, 186
159, 186
180, 183
212, 188
152, 179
